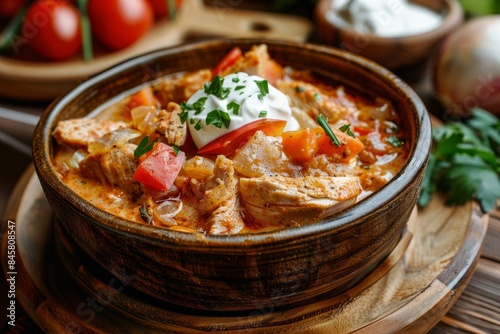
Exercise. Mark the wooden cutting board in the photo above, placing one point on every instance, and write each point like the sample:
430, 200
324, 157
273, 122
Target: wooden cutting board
43, 81
409, 292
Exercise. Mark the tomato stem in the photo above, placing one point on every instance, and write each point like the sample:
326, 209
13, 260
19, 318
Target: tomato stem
171, 9
86, 31
8, 36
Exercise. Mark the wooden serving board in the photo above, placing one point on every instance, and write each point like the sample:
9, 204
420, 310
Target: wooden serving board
43, 81
409, 292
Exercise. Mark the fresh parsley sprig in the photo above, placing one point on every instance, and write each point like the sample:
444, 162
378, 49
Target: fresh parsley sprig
465, 162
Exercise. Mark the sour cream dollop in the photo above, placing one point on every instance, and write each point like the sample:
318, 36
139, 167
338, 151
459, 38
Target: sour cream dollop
228, 103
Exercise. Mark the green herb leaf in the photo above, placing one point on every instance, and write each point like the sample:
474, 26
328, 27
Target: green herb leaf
176, 149
318, 97
263, 113
216, 88
236, 79
86, 28
199, 105
263, 87
9, 34
145, 216
464, 163
347, 129
321, 120
300, 89
218, 118
183, 116
239, 87
395, 141
235, 106
144, 147
198, 126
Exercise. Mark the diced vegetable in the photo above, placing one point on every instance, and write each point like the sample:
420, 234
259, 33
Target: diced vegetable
300, 145
233, 140
160, 167
144, 97
349, 148
229, 60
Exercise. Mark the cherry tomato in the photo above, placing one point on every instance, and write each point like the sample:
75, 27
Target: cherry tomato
9, 8
52, 29
119, 23
229, 59
160, 167
233, 140
160, 7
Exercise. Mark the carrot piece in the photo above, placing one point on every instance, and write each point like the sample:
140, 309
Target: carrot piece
349, 149
300, 145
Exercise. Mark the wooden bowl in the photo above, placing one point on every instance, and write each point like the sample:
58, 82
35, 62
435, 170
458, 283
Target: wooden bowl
391, 52
240, 272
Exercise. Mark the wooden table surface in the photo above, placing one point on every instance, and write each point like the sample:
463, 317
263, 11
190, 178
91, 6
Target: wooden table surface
476, 311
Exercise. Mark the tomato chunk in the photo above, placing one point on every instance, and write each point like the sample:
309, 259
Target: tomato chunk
233, 140
229, 60
160, 167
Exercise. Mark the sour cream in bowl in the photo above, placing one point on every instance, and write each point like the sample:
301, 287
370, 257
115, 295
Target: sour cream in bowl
237, 102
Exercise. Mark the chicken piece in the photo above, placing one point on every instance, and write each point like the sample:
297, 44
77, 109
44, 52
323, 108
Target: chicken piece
279, 200
263, 155
312, 100
180, 89
325, 165
170, 125
221, 200
116, 167
257, 62
82, 131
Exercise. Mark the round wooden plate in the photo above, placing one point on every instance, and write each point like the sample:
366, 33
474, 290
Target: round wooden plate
43, 81
410, 291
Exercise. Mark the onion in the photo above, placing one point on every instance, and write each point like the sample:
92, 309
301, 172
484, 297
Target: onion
167, 210
467, 72
115, 138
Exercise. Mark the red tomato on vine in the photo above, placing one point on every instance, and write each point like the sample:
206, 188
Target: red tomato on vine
160, 7
52, 29
119, 23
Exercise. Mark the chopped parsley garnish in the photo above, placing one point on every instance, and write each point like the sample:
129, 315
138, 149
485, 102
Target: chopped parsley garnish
199, 105
218, 118
465, 162
239, 87
235, 106
235, 79
198, 126
347, 129
183, 116
144, 147
300, 89
263, 113
191, 121
216, 88
395, 141
317, 97
263, 87
321, 120
175, 148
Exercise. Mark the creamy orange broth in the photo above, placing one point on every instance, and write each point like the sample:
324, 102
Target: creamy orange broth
373, 121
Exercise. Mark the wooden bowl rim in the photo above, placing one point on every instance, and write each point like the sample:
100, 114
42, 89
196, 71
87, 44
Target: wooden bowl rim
358, 213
